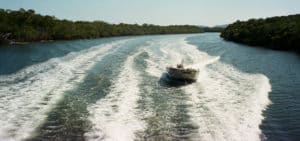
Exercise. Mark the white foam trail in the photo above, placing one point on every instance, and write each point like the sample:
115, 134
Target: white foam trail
172, 52
227, 104
27, 96
115, 117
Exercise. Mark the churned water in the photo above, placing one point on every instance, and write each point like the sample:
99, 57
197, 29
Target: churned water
117, 89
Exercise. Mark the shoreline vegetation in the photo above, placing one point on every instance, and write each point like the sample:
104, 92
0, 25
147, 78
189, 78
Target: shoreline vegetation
24, 26
278, 33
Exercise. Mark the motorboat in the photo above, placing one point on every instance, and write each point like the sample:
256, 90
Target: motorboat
183, 74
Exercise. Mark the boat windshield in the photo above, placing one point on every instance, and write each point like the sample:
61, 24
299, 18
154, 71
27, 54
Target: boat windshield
179, 66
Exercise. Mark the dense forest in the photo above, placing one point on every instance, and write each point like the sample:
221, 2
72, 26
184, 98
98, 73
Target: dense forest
281, 33
213, 29
26, 25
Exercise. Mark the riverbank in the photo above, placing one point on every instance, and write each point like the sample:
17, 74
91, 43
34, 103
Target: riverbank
23, 26
279, 33
12, 42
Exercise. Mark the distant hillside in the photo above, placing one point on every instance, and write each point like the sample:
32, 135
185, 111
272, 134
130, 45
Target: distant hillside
213, 29
281, 33
26, 25
222, 26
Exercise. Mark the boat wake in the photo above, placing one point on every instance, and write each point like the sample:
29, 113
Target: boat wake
27, 96
115, 116
226, 104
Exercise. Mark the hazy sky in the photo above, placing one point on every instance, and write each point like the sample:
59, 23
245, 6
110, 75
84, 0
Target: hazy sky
163, 12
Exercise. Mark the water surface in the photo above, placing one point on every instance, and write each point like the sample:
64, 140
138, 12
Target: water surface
116, 89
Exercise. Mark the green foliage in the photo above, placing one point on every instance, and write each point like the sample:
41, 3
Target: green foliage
25, 25
282, 33
213, 29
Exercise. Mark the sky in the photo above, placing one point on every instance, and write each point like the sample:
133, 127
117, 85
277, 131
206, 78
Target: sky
161, 12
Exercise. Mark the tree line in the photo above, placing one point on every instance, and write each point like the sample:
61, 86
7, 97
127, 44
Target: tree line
26, 25
281, 33
213, 29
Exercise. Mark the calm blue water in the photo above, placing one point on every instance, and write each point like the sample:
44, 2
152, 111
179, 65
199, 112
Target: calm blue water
116, 89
